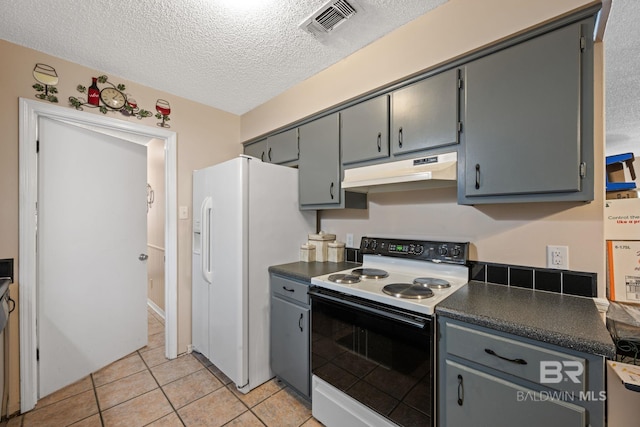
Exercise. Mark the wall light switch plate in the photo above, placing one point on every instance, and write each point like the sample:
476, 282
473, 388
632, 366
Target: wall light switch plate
349, 242
183, 212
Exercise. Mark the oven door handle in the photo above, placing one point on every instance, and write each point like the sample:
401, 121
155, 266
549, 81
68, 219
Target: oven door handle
416, 322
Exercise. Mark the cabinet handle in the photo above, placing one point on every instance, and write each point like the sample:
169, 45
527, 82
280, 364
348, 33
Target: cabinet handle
477, 176
331, 191
300, 322
400, 137
287, 289
269, 154
379, 142
262, 156
460, 391
516, 361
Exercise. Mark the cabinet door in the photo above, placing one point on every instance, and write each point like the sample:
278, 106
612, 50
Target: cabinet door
290, 344
283, 147
257, 149
476, 398
319, 164
522, 117
425, 114
365, 130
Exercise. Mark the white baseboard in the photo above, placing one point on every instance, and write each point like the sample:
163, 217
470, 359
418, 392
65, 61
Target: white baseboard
155, 308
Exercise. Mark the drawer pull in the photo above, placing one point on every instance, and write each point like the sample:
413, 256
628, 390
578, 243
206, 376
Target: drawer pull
288, 290
517, 361
460, 391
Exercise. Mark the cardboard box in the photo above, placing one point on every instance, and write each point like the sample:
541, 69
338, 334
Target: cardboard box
622, 219
623, 402
627, 194
615, 172
624, 270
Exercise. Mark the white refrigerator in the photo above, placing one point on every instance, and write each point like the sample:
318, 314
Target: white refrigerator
245, 218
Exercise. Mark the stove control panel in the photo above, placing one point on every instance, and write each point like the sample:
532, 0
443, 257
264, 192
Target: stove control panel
450, 252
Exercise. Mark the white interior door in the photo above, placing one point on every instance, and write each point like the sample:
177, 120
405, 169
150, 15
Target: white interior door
91, 293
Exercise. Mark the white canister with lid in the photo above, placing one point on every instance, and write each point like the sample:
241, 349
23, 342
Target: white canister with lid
336, 251
308, 253
321, 241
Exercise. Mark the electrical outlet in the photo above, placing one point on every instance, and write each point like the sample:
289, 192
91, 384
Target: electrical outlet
349, 240
558, 257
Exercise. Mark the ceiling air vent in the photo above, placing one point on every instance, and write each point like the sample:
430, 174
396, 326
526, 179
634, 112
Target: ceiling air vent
329, 16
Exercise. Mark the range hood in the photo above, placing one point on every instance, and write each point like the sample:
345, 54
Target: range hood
411, 174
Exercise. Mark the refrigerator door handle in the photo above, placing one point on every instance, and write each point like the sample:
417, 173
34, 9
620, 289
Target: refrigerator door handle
205, 240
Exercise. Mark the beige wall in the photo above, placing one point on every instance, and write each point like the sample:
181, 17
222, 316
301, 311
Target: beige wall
155, 223
514, 234
205, 136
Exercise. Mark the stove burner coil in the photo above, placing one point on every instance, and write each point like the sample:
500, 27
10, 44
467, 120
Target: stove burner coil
347, 279
370, 273
408, 290
432, 283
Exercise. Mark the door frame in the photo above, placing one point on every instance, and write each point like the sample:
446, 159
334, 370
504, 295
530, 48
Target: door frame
30, 112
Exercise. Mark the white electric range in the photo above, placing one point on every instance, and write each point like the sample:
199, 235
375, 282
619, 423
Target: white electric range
373, 332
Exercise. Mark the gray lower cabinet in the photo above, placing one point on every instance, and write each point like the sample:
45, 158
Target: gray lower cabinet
280, 148
425, 114
290, 337
319, 163
365, 131
491, 378
474, 398
527, 121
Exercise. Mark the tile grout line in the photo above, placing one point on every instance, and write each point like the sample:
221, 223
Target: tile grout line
95, 393
175, 411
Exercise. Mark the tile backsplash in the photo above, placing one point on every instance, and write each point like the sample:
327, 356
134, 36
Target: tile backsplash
353, 255
6, 268
560, 281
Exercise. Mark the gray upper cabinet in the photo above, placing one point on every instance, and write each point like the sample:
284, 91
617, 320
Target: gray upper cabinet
525, 132
319, 163
283, 147
365, 130
257, 149
280, 148
425, 114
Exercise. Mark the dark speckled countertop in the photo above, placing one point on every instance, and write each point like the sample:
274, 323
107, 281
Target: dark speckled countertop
306, 270
563, 320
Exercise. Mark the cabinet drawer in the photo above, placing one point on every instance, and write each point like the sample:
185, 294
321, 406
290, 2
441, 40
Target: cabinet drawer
550, 368
491, 401
290, 289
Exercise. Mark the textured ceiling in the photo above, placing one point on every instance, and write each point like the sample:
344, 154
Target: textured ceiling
230, 54
622, 65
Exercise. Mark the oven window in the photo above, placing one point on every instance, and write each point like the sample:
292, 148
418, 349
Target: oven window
382, 363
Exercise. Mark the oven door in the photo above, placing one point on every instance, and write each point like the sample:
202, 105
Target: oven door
379, 355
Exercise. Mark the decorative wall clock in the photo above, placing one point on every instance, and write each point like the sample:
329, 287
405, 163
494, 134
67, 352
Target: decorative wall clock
109, 98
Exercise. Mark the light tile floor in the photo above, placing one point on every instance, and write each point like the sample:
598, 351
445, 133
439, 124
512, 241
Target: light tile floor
145, 389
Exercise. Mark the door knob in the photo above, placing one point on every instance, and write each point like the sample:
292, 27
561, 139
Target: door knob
143, 257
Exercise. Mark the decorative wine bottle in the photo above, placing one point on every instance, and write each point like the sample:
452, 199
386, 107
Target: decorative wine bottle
94, 93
